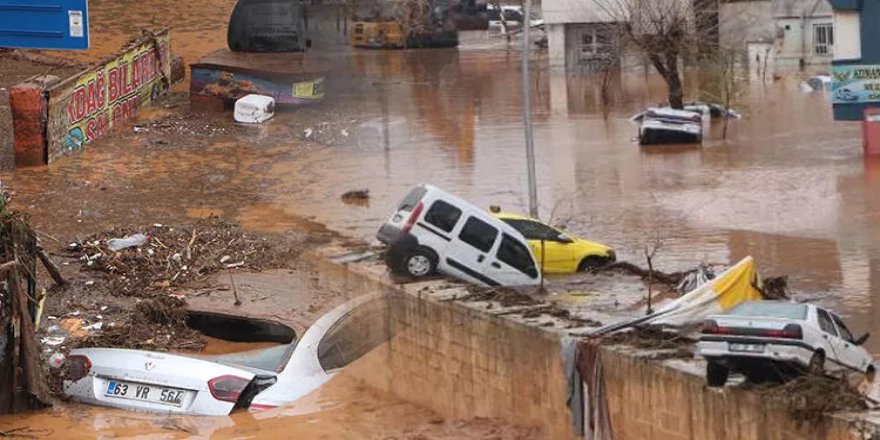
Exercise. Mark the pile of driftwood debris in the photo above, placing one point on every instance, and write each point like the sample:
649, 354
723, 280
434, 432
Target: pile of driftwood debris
157, 324
145, 261
22, 381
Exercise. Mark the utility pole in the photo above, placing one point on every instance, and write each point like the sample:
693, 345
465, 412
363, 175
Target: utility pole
527, 110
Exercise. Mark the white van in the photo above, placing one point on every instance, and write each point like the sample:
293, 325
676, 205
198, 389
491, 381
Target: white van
513, 16
432, 230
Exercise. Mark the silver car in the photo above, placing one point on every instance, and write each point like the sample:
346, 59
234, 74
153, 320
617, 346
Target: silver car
215, 385
662, 125
761, 338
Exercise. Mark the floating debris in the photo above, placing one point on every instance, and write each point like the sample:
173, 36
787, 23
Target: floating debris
356, 197
172, 257
156, 324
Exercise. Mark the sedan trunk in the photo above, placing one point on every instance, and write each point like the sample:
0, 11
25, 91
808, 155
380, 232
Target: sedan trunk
154, 381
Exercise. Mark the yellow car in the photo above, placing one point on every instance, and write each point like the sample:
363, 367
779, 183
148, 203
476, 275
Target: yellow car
560, 252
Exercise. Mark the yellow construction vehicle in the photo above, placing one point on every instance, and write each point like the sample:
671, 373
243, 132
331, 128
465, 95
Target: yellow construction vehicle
377, 35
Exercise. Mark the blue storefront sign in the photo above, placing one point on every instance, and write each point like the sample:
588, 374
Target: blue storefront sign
44, 24
855, 84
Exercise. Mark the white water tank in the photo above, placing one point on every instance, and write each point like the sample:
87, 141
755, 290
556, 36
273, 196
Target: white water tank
253, 109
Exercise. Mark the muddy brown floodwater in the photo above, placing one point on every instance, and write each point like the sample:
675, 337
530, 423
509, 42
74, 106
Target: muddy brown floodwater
342, 409
220, 346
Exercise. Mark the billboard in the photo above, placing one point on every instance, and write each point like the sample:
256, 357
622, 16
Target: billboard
87, 105
44, 24
855, 84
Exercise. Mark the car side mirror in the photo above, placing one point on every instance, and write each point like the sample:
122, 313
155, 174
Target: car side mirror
861, 340
562, 238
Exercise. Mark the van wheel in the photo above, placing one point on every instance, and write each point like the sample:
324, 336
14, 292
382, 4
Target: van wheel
420, 262
817, 364
591, 263
716, 374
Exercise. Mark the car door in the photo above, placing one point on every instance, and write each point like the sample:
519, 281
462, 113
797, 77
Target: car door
830, 339
850, 354
467, 256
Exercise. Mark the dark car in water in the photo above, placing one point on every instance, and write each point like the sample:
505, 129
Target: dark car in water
267, 26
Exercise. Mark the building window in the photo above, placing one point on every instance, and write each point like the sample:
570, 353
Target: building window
595, 42
823, 39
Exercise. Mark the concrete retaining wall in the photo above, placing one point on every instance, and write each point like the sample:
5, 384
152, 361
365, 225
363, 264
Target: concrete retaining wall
650, 400
468, 359
463, 364
460, 361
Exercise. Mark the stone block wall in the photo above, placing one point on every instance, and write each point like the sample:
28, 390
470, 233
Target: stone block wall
462, 364
650, 400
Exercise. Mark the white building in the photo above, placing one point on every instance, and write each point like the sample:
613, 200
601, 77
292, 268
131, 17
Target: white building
804, 33
578, 32
790, 34
787, 34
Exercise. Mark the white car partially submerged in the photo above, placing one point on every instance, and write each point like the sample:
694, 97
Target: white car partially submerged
661, 125
215, 385
707, 110
759, 337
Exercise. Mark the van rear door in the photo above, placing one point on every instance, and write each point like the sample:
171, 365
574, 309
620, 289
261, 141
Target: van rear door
391, 231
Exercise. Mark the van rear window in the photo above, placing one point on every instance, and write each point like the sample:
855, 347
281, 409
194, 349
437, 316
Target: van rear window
412, 199
443, 215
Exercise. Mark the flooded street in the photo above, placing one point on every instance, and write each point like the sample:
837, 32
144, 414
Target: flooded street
788, 186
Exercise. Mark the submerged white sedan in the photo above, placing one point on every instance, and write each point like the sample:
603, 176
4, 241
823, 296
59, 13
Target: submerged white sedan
760, 337
215, 385
661, 125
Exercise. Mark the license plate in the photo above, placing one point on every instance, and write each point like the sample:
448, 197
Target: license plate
145, 393
750, 348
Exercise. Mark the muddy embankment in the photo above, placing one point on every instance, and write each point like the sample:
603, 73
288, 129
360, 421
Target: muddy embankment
350, 403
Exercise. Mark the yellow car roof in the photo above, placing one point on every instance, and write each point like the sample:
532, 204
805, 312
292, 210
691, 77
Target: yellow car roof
511, 216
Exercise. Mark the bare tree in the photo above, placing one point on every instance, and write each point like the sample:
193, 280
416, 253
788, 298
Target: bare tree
723, 81
666, 32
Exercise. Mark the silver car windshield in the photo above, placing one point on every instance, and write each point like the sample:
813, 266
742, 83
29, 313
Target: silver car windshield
770, 309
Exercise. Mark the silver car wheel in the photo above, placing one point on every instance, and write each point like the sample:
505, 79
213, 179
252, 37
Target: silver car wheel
418, 265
